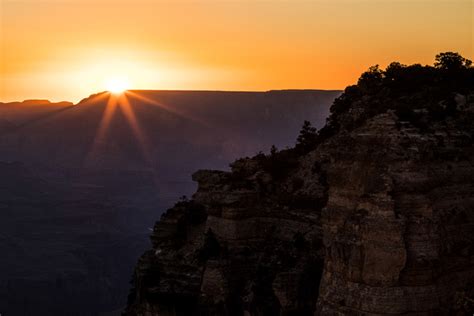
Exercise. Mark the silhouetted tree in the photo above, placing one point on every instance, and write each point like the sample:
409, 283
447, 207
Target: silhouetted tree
273, 150
371, 79
307, 137
414, 91
394, 71
451, 61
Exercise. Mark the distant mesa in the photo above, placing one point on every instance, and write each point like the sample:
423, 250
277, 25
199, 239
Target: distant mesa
37, 102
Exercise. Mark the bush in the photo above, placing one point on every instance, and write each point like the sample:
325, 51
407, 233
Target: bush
279, 164
451, 61
306, 140
411, 91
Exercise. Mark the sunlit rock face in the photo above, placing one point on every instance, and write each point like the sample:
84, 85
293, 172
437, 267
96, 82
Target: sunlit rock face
399, 223
377, 220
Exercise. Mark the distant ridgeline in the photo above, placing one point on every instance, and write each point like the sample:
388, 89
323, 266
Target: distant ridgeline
371, 215
81, 184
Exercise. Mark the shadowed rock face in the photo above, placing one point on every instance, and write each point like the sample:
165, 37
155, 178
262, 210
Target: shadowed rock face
75, 209
377, 220
243, 244
398, 223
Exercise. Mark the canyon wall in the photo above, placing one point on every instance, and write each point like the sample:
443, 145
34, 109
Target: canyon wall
376, 219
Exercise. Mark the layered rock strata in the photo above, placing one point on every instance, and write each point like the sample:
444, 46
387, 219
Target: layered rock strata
376, 220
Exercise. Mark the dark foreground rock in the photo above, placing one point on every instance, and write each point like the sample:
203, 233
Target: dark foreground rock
374, 218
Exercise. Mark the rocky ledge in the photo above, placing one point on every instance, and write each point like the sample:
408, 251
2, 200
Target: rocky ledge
372, 215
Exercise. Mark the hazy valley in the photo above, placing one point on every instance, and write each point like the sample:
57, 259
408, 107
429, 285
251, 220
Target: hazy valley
80, 188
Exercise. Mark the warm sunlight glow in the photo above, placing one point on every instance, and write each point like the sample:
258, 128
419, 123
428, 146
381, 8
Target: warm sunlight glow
263, 45
117, 85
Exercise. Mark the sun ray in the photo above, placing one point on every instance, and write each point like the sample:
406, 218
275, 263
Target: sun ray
101, 134
106, 118
114, 103
139, 134
37, 120
47, 116
165, 107
95, 98
141, 137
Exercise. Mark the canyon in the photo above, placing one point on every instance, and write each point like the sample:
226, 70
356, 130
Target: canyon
79, 193
371, 215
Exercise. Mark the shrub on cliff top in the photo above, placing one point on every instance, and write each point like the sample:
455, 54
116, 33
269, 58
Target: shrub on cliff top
451, 61
416, 93
403, 89
307, 138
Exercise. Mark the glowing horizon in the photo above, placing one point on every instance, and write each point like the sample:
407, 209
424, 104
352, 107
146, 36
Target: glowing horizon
70, 49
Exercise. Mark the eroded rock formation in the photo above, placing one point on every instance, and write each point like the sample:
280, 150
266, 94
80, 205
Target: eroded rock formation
399, 223
236, 247
376, 219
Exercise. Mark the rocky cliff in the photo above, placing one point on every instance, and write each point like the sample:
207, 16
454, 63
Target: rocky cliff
372, 215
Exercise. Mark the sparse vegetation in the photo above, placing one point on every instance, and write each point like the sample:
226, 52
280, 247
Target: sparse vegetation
307, 138
451, 61
278, 164
416, 93
273, 150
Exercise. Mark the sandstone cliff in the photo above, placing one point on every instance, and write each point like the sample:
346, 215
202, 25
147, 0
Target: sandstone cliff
373, 217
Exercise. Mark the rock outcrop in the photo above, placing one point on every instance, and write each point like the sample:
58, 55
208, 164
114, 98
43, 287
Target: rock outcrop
377, 218
399, 223
236, 247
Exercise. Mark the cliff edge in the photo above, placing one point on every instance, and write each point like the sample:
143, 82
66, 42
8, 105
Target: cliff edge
371, 215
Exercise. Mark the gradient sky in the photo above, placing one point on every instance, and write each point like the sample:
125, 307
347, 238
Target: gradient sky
69, 49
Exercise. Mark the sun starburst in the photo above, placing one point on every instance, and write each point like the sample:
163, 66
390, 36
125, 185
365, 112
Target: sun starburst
117, 85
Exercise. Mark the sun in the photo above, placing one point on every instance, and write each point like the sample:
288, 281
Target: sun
117, 85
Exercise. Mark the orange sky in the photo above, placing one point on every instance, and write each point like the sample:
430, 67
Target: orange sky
68, 49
